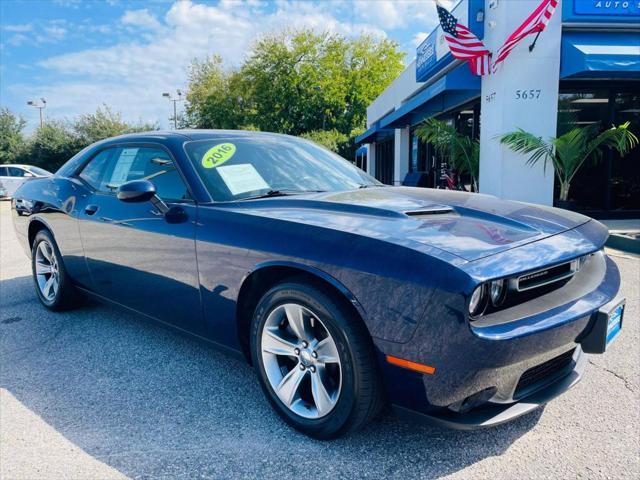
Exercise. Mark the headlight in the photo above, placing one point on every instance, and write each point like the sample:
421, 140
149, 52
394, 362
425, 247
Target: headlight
496, 292
476, 304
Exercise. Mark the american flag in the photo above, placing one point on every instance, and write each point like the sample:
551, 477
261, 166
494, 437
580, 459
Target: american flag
535, 23
464, 45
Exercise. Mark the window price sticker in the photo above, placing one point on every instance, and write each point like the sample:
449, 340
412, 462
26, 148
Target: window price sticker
242, 178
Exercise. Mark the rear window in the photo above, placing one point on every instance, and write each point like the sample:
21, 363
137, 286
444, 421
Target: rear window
38, 171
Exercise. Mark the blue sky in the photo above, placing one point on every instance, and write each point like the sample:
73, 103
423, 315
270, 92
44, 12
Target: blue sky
80, 54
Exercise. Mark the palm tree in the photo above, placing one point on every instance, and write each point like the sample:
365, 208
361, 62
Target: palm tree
570, 151
463, 152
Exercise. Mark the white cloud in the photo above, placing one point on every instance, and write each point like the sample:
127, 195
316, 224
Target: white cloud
140, 18
393, 14
55, 32
23, 27
418, 38
131, 75
384, 12
37, 34
99, 28
17, 39
68, 3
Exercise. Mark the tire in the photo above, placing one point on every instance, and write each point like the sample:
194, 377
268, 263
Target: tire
339, 389
53, 285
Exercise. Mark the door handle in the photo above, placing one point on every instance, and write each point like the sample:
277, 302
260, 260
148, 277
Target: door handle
91, 209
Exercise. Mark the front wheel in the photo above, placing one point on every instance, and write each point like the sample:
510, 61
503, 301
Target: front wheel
53, 286
315, 360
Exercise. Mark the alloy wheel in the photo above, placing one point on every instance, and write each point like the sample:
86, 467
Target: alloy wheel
301, 361
47, 272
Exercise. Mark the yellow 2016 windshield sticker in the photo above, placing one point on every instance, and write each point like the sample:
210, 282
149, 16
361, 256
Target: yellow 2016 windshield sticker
218, 154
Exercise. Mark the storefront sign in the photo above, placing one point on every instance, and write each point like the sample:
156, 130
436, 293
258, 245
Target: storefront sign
601, 11
426, 57
606, 7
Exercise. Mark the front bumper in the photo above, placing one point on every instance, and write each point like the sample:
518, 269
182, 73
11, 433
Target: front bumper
479, 367
493, 414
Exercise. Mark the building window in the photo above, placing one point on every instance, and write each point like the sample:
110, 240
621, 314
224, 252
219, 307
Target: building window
361, 159
419, 154
610, 187
384, 160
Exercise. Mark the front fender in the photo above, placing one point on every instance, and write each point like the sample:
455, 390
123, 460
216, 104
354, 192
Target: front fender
316, 272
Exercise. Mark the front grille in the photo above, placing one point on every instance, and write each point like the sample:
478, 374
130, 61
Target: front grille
546, 276
543, 374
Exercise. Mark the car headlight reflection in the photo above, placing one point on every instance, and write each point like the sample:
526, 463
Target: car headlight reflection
497, 291
477, 301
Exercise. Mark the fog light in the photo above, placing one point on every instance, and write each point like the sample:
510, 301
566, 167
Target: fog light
477, 301
496, 292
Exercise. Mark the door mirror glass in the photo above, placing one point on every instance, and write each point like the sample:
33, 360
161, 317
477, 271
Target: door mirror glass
136, 191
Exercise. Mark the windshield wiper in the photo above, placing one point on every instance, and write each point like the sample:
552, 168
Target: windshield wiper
280, 193
369, 185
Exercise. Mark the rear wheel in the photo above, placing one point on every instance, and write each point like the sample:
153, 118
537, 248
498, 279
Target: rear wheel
53, 286
315, 361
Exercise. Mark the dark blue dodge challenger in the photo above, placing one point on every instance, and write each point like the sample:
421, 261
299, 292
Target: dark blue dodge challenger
343, 293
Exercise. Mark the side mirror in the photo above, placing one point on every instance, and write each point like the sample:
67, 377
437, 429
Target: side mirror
28, 174
137, 191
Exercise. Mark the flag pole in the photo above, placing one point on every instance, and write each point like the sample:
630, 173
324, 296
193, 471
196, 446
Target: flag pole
533, 45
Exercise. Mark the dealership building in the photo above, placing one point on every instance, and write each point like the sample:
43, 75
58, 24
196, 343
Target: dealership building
584, 70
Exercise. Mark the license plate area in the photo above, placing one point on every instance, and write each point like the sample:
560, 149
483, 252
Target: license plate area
606, 326
614, 323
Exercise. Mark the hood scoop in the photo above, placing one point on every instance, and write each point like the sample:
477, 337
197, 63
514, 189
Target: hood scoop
429, 212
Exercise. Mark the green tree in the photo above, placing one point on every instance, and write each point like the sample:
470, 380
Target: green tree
301, 81
104, 123
569, 152
330, 139
11, 139
462, 152
51, 145
295, 82
56, 141
216, 97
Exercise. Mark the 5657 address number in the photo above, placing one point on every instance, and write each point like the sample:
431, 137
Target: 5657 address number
528, 94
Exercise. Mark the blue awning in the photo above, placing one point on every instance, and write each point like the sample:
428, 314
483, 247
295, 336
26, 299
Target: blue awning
369, 135
457, 87
372, 134
600, 55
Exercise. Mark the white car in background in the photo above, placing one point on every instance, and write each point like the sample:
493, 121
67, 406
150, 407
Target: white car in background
12, 176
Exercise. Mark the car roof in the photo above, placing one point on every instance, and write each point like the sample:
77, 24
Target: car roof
192, 134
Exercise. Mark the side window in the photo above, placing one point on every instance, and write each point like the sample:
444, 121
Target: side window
3, 172
94, 171
16, 172
136, 163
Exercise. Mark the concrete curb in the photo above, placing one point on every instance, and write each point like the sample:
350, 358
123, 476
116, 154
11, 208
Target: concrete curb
625, 243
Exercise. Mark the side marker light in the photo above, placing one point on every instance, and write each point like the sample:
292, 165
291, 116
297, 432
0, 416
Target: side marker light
417, 367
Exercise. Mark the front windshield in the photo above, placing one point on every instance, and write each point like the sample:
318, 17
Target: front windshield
237, 167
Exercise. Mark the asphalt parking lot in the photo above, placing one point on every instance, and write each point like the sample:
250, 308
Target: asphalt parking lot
98, 394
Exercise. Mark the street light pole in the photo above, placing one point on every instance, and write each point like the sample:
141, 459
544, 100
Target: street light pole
175, 116
40, 107
175, 100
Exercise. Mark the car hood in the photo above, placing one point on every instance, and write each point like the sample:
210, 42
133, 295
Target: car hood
468, 225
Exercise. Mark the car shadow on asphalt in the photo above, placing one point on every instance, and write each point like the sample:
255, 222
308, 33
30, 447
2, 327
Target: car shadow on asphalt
153, 403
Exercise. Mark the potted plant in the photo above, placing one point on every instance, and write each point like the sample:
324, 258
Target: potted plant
570, 151
463, 152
